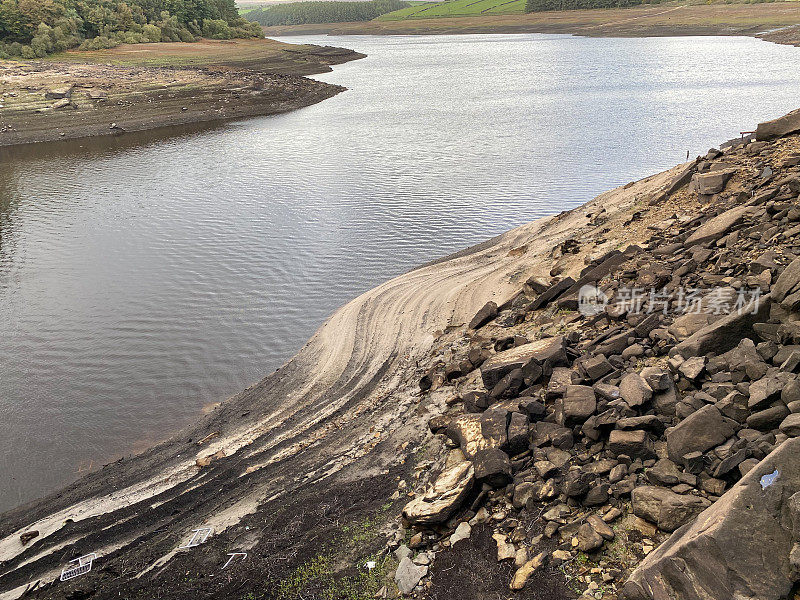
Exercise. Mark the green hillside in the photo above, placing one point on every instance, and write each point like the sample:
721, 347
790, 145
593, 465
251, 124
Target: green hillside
456, 8
299, 13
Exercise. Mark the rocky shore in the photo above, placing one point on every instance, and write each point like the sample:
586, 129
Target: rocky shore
43, 101
600, 404
667, 405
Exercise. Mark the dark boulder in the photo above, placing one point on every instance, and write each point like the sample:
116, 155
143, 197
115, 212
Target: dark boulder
579, 404
636, 444
484, 315
492, 466
700, 431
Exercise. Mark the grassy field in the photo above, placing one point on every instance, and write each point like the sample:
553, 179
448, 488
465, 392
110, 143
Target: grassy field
456, 8
268, 56
667, 19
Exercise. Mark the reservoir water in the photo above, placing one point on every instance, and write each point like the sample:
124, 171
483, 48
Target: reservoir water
146, 277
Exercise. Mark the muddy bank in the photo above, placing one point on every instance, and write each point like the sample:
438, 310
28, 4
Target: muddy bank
307, 472
663, 20
49, 100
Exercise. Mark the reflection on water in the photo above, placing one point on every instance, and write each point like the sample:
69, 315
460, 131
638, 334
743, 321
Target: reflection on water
143, 277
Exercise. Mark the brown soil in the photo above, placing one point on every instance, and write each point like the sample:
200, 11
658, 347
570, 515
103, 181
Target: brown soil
471, 567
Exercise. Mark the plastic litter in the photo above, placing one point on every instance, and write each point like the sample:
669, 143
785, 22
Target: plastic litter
233, 555
768, 479
81, 566
199, 536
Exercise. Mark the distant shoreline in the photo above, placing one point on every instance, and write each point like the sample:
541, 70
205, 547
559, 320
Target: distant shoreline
777, 22
150, 86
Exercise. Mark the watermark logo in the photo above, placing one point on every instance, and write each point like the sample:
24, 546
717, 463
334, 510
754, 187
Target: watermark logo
591, 300
680, 301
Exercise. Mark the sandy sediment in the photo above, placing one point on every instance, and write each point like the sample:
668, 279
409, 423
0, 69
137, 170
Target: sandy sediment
345, 410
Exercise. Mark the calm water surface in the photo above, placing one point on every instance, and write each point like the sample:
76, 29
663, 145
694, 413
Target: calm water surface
142, 279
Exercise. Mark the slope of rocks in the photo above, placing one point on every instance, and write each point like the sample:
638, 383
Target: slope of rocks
583, 438
496, 440
290, 451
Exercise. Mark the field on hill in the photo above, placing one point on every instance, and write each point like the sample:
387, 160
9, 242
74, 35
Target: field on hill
775, 21
456, 8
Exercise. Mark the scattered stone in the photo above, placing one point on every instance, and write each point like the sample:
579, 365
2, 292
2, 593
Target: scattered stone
693, 367
769, 418
710, 183
462, 532
699, 432
635, 390
444, 497
579, 403
525, 572
636, 444
601, 526
402, 552
484, 315
588, 539
505, 549
60, 93
27, 536
666, 509
408, 575
791, 425
781, 126
542, 354
493, 467
765, 390
786, 290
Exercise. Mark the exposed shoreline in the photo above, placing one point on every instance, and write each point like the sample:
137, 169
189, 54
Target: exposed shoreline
324, 439
776, 22
90, 95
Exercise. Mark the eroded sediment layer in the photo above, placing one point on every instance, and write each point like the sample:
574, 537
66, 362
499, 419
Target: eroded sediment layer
343, 432
350, 388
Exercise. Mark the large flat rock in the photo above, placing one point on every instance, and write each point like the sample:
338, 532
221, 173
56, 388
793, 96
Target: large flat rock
787, 288
778, 127
444, 497
725, 333
718, 226
549, 351
736, 549
700, 431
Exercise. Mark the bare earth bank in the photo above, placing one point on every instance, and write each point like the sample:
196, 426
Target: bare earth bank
308, 470
668, 19
147, 86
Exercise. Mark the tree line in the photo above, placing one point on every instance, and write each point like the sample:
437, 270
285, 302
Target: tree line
298, 13
36, 28
545, 5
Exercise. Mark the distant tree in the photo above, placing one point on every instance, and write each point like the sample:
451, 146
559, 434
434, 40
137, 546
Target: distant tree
32, 28
298, 13
547, 5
